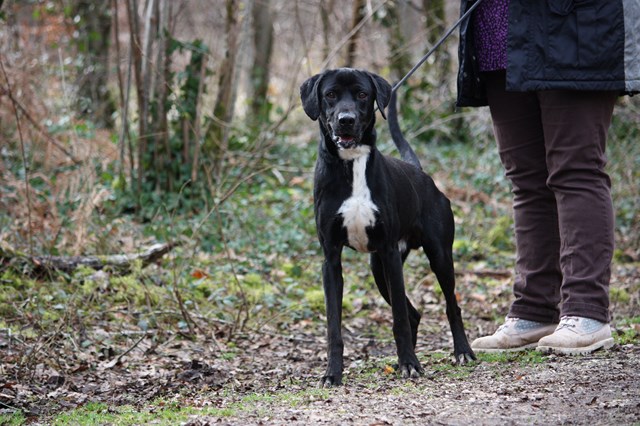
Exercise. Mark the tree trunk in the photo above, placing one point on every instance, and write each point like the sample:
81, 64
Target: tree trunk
217, 134
135, 46
356, 17
260, 71
163, 157
124, 90
197, 121
435, 19
399, 58
326, 9
145, 155
93, 99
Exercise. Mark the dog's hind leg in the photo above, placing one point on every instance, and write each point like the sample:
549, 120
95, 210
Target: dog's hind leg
381, 283
441, 259
390, 282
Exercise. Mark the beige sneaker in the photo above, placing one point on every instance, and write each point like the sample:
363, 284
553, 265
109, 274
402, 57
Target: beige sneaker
514, 335
577, 335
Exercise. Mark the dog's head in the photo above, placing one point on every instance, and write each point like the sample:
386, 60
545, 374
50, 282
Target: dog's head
344, 101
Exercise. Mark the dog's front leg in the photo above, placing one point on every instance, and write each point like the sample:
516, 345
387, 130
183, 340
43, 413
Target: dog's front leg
408, 363
333, 288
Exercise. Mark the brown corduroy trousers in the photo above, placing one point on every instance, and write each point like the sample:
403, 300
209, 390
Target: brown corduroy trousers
552, 146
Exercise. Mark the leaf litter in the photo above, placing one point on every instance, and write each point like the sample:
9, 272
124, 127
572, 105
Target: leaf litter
269, 375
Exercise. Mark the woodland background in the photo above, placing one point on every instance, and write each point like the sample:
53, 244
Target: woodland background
130, 127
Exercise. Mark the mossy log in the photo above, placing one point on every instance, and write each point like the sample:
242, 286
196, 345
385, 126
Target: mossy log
119, 262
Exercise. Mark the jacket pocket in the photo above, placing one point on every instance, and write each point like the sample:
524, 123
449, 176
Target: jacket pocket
580, 34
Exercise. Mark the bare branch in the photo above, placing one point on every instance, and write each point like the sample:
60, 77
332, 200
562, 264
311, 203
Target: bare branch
120, 262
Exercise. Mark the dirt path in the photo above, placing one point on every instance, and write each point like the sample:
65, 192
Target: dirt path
270, 385
595, 390
603, 388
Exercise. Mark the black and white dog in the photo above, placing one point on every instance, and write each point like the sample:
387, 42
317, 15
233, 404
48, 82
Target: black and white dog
378, 205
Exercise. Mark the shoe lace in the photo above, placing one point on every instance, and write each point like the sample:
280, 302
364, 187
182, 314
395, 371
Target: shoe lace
567, 322
508, 322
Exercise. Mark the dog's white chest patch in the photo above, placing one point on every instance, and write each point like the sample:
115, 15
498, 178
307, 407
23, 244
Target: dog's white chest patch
358, 211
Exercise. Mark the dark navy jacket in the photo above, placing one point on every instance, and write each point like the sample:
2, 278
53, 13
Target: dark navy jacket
560, 44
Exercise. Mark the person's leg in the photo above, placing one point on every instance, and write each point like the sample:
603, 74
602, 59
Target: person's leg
520, 136
519, 133
575, 127
575, 132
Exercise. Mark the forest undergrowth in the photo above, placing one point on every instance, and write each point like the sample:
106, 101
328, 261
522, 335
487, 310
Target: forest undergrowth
241, 290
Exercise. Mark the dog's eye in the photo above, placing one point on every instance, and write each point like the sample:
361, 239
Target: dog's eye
362, 95
330, 95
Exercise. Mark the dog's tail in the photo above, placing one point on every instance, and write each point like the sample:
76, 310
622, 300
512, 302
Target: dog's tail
406, 152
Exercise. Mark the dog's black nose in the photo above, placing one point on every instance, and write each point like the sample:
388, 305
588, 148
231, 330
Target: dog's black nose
346, 119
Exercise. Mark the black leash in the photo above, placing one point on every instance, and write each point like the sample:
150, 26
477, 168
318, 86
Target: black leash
433, 49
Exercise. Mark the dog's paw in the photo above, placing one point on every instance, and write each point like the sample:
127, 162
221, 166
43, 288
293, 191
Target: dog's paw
410, 370
464, 358
329, 381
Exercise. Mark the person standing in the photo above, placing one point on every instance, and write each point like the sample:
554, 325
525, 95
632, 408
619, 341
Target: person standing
550, 72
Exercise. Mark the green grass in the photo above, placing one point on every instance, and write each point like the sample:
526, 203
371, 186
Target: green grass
293, 399
171, 413
628, 331
522, 358
15, 419
158, 414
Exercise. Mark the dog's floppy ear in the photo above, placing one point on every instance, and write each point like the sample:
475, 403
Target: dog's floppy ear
310, 96
383, 92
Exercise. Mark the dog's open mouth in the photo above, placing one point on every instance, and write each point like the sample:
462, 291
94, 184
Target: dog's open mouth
345, 141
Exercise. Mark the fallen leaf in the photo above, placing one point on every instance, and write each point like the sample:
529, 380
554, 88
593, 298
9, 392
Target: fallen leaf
199, 274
